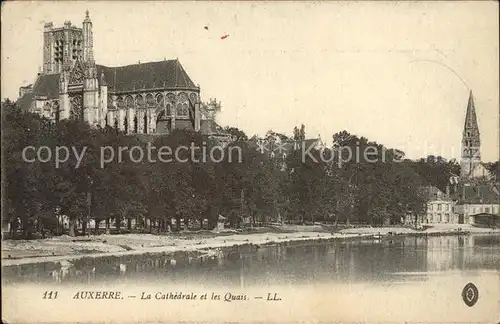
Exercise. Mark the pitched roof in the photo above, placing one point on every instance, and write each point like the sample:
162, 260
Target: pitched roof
46, 85
434, 193
477, 194
162, 74
24, 103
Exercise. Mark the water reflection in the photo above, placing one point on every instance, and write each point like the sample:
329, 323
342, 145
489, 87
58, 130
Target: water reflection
408, 258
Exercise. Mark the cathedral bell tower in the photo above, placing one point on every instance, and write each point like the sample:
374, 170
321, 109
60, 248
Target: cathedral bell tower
471, 155
62, 46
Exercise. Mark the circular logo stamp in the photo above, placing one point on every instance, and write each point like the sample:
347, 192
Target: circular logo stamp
470, 294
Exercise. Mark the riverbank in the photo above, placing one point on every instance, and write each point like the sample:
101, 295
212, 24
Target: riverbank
63, 248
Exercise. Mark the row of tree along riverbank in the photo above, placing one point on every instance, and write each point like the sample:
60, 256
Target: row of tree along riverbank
259, 189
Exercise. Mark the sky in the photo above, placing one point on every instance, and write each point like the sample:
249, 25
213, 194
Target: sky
398, 73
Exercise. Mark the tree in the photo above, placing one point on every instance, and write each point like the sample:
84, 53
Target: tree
237, 134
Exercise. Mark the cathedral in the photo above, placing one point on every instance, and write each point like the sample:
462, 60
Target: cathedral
145, 98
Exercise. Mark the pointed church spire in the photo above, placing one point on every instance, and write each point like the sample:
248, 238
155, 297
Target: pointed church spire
471, 142
470, 115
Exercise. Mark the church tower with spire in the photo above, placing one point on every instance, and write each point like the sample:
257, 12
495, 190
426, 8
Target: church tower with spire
471, 142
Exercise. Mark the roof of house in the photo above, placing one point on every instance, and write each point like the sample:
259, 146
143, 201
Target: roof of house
477, 194
485, 214
486, 172
434, 193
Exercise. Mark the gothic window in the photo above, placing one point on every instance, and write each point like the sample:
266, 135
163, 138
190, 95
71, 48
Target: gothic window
150, 100
135, 124
119, 102
179, 110
468, 134
182, 110
182, 105
129, 101
116, 123
182, 97
170, 97
76, 102
145, 124
139, 101
161, 116
159, 99
110, 102
169, 110
193, 97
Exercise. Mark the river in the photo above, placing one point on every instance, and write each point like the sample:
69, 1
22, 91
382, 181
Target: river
405, 272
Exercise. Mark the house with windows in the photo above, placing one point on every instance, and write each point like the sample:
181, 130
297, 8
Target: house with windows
476, 199
439, 207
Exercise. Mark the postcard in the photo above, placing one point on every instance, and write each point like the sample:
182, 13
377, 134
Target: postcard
250, 162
